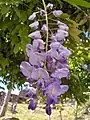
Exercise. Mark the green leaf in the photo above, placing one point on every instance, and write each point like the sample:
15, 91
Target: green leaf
17, 12
23, 16
5, 9
74, 31
3, 61
14, 40
17, 48
64, 15
82, 3
89, 56
83, 21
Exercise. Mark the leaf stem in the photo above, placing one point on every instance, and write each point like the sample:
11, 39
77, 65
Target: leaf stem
46, 17
49, 117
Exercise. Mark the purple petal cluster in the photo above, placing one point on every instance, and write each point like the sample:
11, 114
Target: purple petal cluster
44, 28
34, 25
45, 69
50, 5
61, 33
35, 35
32, 17
57, 13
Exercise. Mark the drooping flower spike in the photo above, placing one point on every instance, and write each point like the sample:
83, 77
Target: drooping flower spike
47, 59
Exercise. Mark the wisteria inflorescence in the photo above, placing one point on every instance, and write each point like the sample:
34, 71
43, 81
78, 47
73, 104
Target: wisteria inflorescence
47, 58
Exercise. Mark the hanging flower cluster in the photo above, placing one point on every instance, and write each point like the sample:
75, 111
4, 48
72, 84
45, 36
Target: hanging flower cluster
48, 59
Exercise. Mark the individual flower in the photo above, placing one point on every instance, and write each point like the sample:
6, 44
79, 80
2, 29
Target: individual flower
52, 100
48, 110
51, 63
63, 27
55, 45
64, 88
26, 69
85, 66
61, 63
31, 93
38, 44
60, 35
53, 38
29, 49
36, 58
57, 13
52, 92
32, 17
41, 84
44, 28
52, 53
61, 73
40, 73
35, 35
32, 105
34, 25
65, 33
41, 76
53, 89
42, 12
63, 52
50, 5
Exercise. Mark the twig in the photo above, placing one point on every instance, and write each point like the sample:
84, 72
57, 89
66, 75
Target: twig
46, 17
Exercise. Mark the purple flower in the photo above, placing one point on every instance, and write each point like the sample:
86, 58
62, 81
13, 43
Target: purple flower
38, 44
52, 53
31, 93
40, 83
63, 27
60, 73
50, 5
53, 89
48, 109
57, 13
32, 17
53, 38
60, 35
35, 35
65, 33
36, 58
64, 88
54, 45
28, 49
40, 73
44, 28
42, 12
64, 52
61, 63
34, 25
45, 69
32, 105
26, 69
52, 100
51, 64
85, 66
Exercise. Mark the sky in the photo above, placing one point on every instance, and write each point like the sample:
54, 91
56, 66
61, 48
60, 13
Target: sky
15, 91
